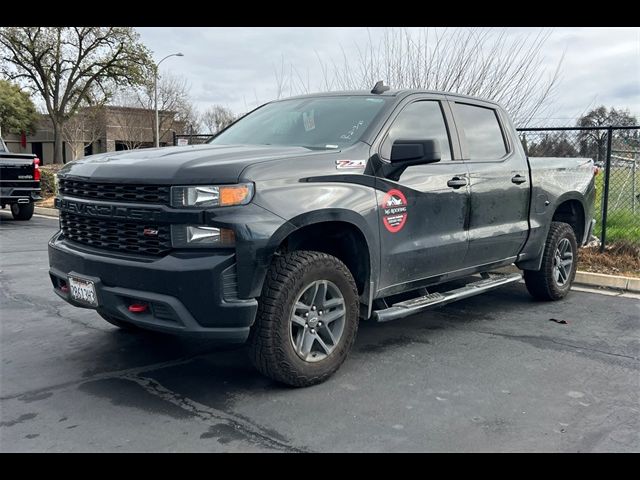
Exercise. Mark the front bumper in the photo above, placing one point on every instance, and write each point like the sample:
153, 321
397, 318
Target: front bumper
187, 292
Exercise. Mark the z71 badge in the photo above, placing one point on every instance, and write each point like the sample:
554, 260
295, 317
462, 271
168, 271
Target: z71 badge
340, 164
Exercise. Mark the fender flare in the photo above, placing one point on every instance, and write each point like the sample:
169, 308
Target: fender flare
329, 215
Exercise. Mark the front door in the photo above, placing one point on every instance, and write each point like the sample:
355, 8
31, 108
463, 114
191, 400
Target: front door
422, 214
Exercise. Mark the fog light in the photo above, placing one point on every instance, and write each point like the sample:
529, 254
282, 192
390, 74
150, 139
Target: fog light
201, 236
138, 307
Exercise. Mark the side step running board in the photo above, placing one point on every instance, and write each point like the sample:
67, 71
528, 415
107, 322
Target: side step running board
425, 302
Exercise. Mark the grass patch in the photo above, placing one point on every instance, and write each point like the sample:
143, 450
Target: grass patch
623, 221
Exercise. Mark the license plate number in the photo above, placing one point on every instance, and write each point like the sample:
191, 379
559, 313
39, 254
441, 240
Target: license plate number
83, 291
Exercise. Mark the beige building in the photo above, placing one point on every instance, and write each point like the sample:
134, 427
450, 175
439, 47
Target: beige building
97, 130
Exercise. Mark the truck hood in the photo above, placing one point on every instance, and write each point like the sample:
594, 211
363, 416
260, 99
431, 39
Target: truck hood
194, 164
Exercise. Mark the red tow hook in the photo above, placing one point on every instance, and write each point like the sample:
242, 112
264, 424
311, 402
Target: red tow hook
138, 307
64, 288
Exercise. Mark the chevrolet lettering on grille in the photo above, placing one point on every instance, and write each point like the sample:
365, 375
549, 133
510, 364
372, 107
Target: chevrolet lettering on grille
106, 211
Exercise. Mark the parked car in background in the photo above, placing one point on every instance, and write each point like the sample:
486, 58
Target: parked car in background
19, 182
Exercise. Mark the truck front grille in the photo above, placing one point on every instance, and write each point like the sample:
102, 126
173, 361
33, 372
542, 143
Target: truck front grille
158, 194
114, 235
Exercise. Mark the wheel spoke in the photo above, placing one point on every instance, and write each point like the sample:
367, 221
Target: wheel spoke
320, 294
333, 302
329, 333
556, 274
324, 346
298, 320
307, 343
300, 306
300, 339
333, 316
563, 273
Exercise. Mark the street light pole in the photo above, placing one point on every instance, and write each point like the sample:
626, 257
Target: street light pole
155, 94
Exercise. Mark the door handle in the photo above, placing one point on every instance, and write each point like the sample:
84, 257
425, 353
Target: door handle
456, 182
518, 179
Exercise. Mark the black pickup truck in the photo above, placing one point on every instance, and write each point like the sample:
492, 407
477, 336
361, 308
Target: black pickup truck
313, 212
19, 182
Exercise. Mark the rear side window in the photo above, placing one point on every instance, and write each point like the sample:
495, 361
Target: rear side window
420, 120
482, 130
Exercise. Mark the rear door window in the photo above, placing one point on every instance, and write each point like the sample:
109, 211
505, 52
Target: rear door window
481, 127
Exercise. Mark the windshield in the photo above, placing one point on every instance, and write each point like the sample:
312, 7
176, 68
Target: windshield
316, 123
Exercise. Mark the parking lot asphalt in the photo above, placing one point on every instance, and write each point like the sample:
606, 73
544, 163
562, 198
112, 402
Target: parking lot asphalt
490, 373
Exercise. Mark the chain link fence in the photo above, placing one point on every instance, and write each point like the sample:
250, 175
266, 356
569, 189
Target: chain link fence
616, 151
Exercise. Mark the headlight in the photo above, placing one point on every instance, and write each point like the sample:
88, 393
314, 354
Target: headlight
212, 196
187, 236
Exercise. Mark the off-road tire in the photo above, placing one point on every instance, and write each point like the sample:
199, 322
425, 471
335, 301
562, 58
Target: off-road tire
22, 211
124, 325
541, 283
270, 347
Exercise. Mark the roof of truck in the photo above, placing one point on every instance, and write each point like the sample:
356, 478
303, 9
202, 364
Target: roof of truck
389, 93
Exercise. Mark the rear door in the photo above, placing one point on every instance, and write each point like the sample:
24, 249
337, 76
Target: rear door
498, 223
422, 213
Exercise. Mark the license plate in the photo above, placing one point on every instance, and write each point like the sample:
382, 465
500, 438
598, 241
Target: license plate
83, 291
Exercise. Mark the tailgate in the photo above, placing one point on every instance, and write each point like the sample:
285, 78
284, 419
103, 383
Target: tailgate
16, 169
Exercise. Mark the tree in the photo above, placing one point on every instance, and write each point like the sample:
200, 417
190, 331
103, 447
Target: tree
174, 105
479, 62
83, 128
17, 111
550, 144
73, 66
593, 143
217, 117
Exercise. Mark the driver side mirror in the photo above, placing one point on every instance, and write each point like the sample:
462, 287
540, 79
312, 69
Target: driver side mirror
415, 152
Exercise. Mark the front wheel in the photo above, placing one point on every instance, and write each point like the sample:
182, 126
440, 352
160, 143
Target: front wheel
307, 318
559, 264
22, 211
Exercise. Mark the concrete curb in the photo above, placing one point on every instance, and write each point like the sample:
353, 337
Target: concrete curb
608, 281
599, 280
49, 212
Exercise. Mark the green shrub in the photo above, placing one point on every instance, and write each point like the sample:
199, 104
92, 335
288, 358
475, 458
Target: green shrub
48, 179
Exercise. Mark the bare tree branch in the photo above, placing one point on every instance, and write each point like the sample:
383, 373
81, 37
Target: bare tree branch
481, 62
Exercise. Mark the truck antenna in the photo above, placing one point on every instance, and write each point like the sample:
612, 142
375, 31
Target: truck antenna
379, 87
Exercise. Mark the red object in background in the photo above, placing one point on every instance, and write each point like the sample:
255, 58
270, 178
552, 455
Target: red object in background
36, 169
23, 140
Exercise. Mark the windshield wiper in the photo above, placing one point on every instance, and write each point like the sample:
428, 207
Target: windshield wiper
315, 147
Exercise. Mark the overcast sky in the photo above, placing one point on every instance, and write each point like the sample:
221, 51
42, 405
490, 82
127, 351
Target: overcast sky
235, 67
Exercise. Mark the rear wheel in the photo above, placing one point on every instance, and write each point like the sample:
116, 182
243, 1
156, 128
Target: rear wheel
22, 211
559, 264
117, 322
307, 318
